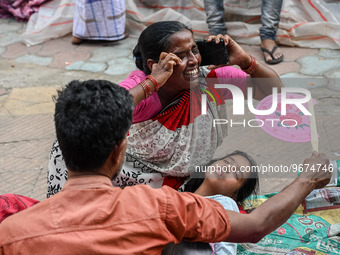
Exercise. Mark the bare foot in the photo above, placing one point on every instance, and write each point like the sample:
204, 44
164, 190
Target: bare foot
76, 40
269, 45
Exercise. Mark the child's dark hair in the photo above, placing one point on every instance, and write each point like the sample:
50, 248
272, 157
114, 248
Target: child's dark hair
249, 187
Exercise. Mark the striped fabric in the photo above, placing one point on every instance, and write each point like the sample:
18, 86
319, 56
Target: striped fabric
99, 20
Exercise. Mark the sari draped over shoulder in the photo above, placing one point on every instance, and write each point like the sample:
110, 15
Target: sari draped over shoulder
175, 141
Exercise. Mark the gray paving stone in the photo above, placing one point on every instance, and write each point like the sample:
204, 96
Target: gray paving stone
10, 27
316, 65
9, 38
329, 53
298, 80
41, 61
40, 187
4, 21
120, 61
15, 183
3, 92
75, 66
2, 50
120, 66
335, 74
108, 53
129, 43
334, 80
93, 67
329, 107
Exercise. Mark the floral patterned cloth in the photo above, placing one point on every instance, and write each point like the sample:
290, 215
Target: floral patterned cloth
57, 171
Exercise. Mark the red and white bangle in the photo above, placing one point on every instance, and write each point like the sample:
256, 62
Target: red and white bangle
146, 88
151, 78
253, 66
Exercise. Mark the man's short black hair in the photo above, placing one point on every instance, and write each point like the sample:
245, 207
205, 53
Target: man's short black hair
91, 117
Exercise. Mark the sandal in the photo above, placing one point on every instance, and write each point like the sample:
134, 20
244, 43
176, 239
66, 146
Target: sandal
274, 60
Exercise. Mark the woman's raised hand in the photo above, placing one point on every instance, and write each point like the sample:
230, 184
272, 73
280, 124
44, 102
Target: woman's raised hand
162, 70
237, 56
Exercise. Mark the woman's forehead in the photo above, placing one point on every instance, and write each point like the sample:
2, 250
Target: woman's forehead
237, 160
180, 40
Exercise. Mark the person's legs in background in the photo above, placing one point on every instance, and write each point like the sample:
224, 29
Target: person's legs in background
99, 20
214, 11
270, 18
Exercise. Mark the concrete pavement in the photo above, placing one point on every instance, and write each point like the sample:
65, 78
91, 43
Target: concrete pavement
30, 76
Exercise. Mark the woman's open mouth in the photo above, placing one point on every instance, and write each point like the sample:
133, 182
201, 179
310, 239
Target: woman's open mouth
191, 73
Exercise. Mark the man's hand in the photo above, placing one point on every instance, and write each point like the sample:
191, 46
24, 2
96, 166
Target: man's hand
316, 169
277, 209
237, 56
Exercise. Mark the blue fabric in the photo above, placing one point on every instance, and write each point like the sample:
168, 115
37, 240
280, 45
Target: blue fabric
90, 5
225, 248
92, 1
214, 11
270, 18
113, 15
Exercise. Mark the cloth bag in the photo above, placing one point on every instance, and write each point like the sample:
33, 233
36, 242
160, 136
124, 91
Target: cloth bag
54, 19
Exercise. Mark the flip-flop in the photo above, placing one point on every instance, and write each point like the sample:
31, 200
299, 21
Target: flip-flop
274, 60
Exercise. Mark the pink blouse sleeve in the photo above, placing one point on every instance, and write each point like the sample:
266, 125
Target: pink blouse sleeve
233, 76
147, 108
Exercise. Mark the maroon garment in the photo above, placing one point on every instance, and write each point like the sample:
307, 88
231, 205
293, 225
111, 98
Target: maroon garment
13, 203
21, 10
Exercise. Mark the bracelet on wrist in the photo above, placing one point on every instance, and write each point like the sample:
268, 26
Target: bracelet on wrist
155, 83
252, 68
146, 88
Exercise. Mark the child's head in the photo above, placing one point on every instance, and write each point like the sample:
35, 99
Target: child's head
234, 176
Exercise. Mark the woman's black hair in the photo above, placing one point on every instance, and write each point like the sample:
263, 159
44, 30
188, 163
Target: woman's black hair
249, 187
154, 40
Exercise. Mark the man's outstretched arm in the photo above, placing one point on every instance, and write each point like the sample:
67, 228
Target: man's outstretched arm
277, 209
